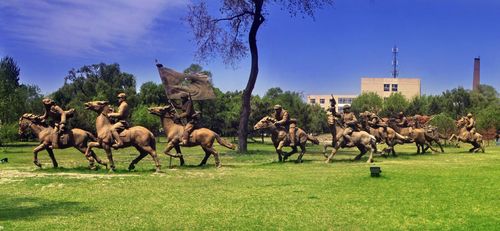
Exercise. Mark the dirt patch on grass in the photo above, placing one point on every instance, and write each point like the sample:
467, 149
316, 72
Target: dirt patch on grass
7, 175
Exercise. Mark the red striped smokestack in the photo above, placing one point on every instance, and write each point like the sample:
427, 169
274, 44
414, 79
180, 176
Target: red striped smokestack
476, 80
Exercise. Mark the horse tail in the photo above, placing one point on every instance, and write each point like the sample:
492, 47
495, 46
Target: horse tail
224, 142
400, 137
152, 140
313, 139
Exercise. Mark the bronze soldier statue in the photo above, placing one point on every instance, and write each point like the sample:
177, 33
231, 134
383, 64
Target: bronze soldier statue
351, 123
121, 117
376, 122
283, 119
189, 114
471, 126
402, 122
58, 119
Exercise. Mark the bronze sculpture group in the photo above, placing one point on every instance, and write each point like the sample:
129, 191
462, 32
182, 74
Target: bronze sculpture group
182, 129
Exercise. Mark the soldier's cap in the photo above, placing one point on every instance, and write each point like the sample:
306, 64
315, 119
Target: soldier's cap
469, 115
373, 115
184, 95
122, 95
47, 101
401, 113
347, 106
277, 107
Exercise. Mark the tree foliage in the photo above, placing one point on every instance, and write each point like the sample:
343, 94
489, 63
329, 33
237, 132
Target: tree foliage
224, 36
367, 101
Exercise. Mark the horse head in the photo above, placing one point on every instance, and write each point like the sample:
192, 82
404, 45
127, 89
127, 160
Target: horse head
161, 111
264, 123
26, 120
97, 106
461, 122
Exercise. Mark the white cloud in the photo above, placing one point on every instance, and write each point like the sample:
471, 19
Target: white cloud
74, 27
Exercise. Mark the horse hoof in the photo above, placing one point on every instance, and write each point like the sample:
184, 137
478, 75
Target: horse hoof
37, 164
131, 167
218, 166
93, 167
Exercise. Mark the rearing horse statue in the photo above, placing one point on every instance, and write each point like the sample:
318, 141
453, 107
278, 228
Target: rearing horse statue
200, 136
139, 137
280, 138
476, 141
76, 138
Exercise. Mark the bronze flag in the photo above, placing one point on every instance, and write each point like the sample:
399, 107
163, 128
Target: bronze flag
175, 83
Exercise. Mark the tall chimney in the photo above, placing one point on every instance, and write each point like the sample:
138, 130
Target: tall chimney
476, 80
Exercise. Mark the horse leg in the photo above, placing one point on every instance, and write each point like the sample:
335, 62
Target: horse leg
418, 147
149, 150
279, 151
207, 154
35, 154
440, 146
141, 155
179, 153
286, 155
302, 152
169, 147
216, 157
336, 147
370, 158
109, 154
430, 146
89, 158
52, 157
362, 151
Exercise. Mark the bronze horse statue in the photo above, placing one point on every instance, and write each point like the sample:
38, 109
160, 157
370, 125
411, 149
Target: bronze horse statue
75, 137
418, 135
280, 138
388, 136
203, 137
139, 137
361, 139
476, 141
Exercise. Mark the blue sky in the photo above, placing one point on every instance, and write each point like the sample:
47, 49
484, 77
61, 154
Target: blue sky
438, 41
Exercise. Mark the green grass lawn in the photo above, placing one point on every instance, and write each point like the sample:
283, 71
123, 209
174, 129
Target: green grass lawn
454, 190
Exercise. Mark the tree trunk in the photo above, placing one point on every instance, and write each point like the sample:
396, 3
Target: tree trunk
254, 71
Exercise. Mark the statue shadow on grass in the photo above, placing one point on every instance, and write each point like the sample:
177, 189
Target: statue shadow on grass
20, 208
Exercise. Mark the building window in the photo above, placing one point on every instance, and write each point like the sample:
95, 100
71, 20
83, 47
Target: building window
322, 101
340, 109
394, 87
312, 101
386, 87
349, 100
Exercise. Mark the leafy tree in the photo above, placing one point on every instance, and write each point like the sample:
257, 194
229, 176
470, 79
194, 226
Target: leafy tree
457, 101
489, 118
444, 123
367, 101
142, 117
436, 105
152, 94
418, 105
483, 97
241, 16
394, 104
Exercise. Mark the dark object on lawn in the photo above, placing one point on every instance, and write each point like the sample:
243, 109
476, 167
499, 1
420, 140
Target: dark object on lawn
375, 171
4, 160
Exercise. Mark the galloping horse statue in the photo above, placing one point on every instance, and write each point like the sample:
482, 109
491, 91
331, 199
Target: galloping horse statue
139, 137
418, 135
476, 141
280, 138
362, 140
388, 136
76, 138
203, 137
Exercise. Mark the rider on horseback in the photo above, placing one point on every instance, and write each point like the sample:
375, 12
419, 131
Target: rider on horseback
121, 116
376, 122
402, 122
350, 122
189, 114
471, 126
58, 116
283, 120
